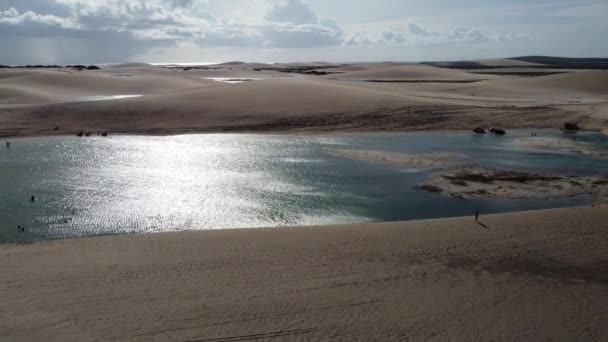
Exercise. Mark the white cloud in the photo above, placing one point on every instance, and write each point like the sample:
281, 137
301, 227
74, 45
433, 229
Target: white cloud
414, 35
13, 17
293, 12
116, 30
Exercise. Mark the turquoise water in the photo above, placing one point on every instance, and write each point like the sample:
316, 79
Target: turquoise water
137, 184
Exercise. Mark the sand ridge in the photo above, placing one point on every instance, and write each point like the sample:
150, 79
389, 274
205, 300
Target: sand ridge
508, 277
410, 73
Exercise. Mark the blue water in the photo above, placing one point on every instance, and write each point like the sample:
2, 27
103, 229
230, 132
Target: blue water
138, 184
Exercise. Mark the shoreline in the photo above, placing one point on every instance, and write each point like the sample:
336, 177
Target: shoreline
294, 227
351, 282
294, 132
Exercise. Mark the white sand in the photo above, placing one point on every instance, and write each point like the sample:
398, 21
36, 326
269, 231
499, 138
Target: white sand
176, 101
533, 276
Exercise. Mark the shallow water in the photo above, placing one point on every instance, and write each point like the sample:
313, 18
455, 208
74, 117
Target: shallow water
135, 184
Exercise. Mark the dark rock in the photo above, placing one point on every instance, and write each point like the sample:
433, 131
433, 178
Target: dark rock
80, 134
479, 130
571, 126
498, 131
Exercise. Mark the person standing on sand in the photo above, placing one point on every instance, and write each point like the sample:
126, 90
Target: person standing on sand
476, 215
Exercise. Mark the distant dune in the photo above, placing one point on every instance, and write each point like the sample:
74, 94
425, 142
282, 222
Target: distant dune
592, 82
528, 62
565, 61
561, 87
410, 73
506, 62
283, 97
131, 65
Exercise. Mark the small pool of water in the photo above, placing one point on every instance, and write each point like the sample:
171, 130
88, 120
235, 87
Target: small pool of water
104, 97
232, 80
138, 184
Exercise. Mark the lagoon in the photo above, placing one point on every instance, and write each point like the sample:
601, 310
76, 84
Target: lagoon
141, 184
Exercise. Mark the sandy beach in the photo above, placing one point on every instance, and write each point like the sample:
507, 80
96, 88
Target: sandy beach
522, 276
287, 98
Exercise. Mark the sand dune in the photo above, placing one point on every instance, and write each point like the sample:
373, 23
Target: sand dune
592, 82
177, 100
10, 73
55, 86
254, 65
18, 95
347, 68
533, 276
411, 73
296, 95
576, 87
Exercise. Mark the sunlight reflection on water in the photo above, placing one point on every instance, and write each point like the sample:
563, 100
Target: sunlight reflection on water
135, 184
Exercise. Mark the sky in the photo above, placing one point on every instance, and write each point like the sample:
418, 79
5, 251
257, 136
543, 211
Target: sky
192, 31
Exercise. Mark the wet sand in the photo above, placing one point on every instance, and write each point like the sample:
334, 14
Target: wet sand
477, 182
554, 145
531, 276
402, 160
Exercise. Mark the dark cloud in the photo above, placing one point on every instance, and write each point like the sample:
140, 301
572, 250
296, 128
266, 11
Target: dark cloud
393, 37
462, 34
115, 30
56, 35
417, 30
